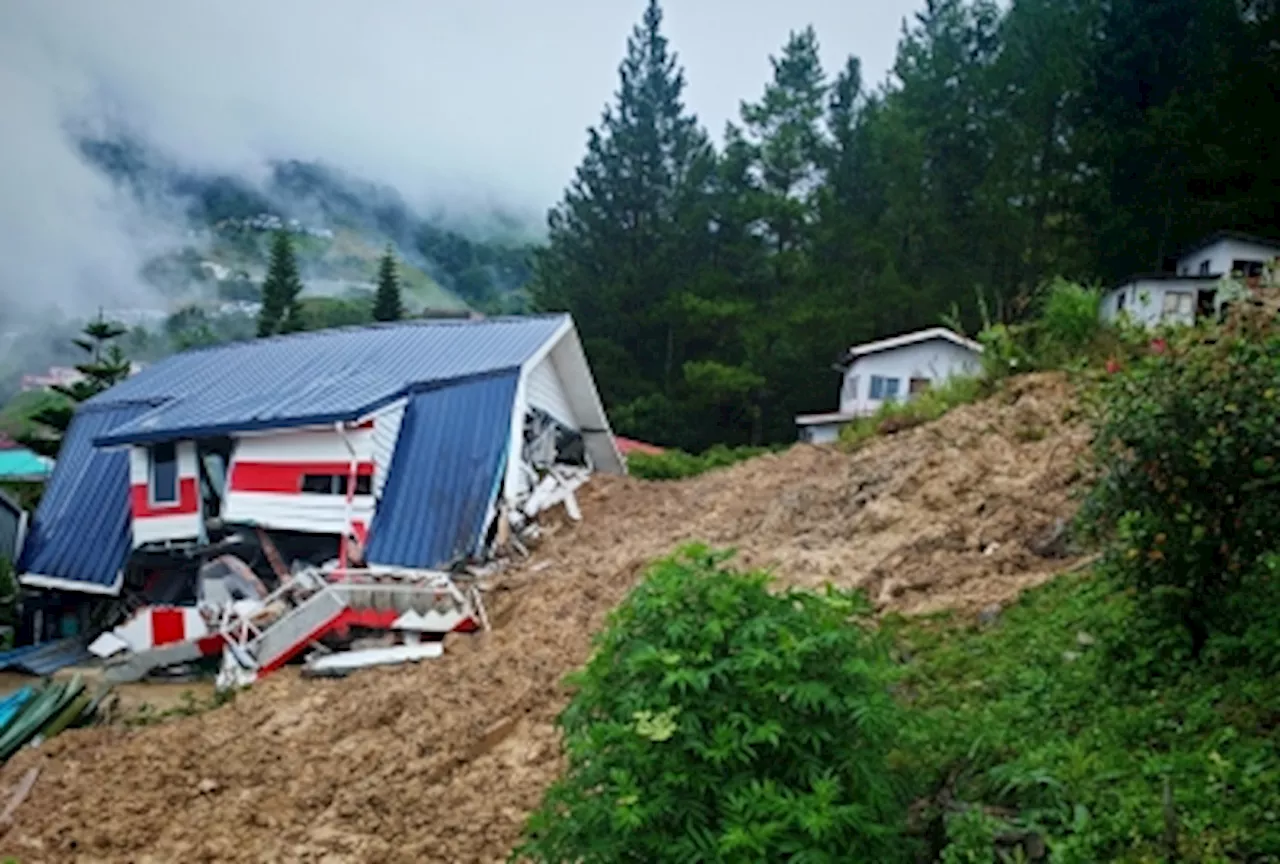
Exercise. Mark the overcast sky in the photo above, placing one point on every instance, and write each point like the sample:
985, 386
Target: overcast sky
454, 102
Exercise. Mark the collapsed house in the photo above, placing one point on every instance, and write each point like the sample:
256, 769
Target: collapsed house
258, 498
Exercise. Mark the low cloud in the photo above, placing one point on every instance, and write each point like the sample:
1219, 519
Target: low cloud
464, 106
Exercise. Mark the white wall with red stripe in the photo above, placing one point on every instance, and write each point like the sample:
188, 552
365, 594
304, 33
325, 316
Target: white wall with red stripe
276, 480
157, 520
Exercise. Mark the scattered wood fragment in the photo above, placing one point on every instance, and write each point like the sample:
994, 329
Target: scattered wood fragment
19, 795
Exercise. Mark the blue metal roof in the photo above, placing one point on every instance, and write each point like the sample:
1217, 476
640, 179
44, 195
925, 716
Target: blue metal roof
81, 531
46, 658
313, 378
11, 657
445, 473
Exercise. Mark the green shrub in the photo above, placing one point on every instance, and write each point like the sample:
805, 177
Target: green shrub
1069, 323
920, 408
1188, 443
677, 464
720, 721
1031, 722
1068, 332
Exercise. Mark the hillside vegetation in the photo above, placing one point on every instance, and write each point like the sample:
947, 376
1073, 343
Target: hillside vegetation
716, 279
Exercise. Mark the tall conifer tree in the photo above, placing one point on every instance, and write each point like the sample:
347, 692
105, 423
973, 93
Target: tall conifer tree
386, 301
281, 309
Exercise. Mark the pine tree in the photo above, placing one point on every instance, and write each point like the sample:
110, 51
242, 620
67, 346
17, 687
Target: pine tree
784, 135
105, 367
624, 240
281, 309
386, 302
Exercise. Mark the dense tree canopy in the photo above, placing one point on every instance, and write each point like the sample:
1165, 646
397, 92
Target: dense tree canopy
715, 285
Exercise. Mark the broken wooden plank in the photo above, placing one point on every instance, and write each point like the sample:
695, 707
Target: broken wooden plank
19, 795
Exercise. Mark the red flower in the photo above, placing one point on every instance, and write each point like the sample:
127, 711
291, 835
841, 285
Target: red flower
1113, 366
1159, 346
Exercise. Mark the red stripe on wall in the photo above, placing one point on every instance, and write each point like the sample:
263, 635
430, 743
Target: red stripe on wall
286, 477
187, 503
167, 626
210, 645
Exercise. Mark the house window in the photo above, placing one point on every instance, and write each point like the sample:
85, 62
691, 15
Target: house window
1120, 298
850, 391
918, 385
335, 484
1204, 267
883, 388
164, 473
1178, 306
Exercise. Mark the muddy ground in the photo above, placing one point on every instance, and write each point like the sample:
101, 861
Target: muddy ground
441, 761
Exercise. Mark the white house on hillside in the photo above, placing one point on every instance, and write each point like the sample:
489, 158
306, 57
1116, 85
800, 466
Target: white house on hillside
1191, 291
888, 370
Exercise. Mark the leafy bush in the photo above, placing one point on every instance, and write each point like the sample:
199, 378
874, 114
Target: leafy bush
1067, 332
1069, 323
1188, 442
719, 721
676, 464
920, 408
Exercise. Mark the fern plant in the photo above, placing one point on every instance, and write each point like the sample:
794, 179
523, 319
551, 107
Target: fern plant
721, 721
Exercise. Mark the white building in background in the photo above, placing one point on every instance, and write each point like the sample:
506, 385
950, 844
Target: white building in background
1193, 290
889, 370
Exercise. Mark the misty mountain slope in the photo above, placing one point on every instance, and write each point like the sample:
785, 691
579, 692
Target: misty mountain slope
341, 225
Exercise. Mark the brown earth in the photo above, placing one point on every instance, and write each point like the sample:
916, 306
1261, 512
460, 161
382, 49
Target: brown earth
441, 762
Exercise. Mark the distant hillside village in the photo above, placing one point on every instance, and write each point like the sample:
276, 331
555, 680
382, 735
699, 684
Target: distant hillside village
271, 222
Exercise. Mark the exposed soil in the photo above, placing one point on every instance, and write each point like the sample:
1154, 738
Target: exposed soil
441, 761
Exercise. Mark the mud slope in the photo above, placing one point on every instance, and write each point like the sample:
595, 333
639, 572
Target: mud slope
440, 762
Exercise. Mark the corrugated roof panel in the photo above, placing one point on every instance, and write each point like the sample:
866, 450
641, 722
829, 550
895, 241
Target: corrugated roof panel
81, 531
13, 655
341, 373
52, 656
445, 474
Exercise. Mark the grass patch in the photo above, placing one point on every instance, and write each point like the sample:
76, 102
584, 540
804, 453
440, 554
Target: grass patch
1048, 724
921, 408
677, 464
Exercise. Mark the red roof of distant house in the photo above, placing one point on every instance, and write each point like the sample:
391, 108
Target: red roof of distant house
7, 443
627, 446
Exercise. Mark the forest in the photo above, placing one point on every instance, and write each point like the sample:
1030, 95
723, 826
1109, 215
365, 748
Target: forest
716, 279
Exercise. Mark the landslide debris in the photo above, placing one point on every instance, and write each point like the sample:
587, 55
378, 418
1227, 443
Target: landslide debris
441, 761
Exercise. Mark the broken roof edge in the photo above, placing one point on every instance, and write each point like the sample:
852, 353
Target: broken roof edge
914, 338
568, 335
301, 421
58, 583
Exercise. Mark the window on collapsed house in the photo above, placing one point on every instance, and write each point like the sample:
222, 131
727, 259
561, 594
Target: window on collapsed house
164, 473
884, 388
1178, 306
335, 484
